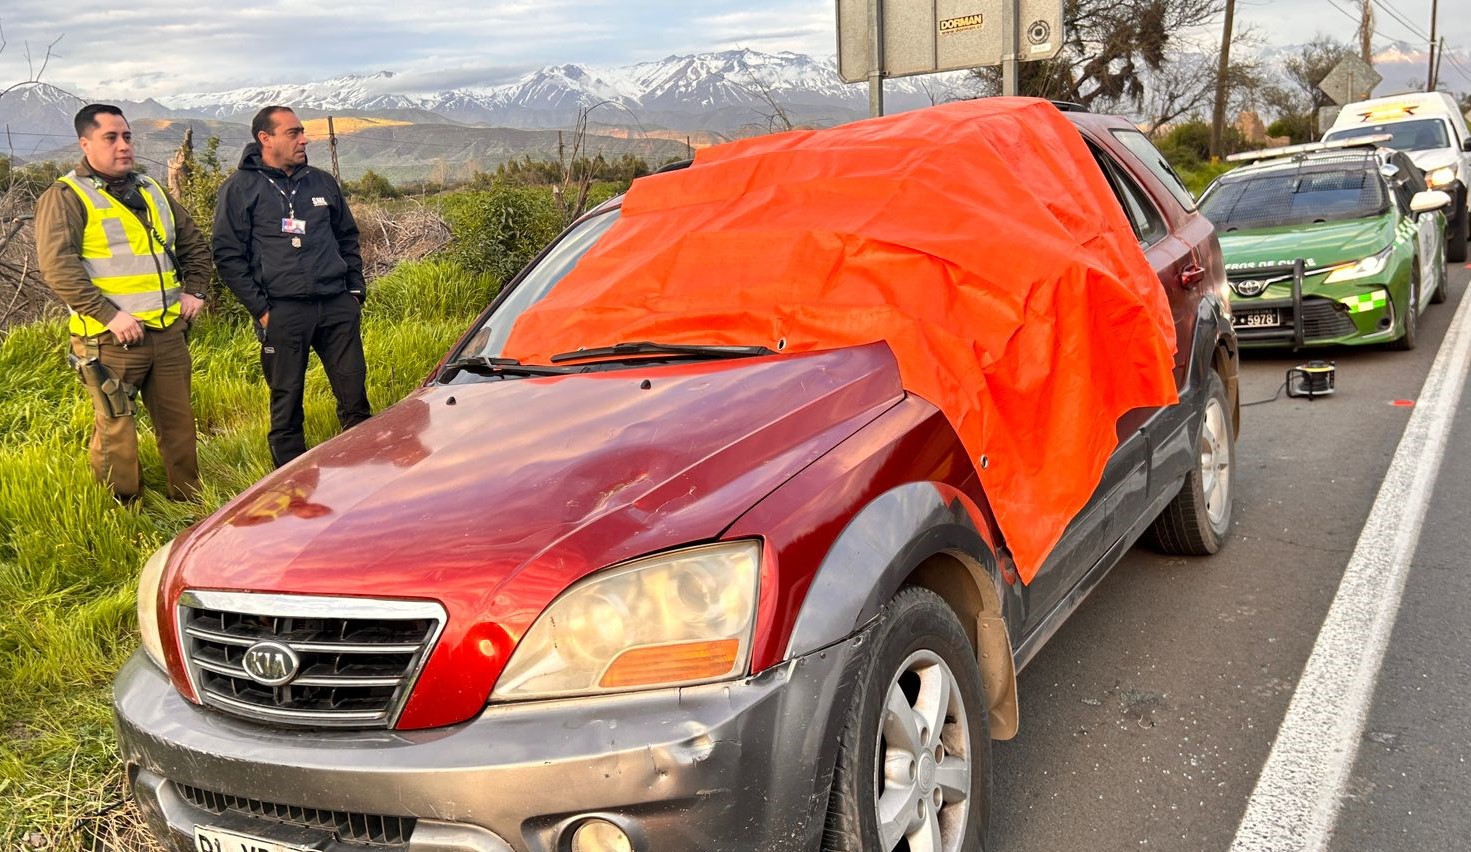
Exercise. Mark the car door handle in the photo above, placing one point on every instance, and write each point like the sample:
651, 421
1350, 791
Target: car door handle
1192, 275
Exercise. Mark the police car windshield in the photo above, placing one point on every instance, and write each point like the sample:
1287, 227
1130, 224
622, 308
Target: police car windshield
1422, 134
1301, 195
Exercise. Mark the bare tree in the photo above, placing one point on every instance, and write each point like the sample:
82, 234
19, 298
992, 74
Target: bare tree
23, 295
1185, 86
1110, 48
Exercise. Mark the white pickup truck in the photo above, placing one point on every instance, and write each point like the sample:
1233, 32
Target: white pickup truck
1430, 128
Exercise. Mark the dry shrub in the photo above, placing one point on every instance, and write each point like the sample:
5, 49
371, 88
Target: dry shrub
405, 231
23, 295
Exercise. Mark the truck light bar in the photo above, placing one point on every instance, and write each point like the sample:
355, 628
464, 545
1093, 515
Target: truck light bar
1309, 147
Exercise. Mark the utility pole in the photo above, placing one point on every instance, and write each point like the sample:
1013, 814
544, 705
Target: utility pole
1430, 72
1010, 66
1218, 119
876, 58
1366, 29
332, 146
1439, 58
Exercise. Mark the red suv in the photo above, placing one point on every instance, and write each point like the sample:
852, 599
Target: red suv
654, 596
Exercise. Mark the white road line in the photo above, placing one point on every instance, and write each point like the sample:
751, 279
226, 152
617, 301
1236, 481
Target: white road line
1296, 800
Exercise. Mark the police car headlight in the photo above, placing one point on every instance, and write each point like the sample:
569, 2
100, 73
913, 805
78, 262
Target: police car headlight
148, 587
1443, 176
675, 619
1366, 268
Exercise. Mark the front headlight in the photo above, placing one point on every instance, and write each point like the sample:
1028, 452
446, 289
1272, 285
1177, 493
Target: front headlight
674, 619
1365, 268
1443, 176
148, 583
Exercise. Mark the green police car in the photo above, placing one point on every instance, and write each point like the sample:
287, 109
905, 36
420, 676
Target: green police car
1329, 243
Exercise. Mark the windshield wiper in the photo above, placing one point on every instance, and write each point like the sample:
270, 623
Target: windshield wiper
645, 347
483, 366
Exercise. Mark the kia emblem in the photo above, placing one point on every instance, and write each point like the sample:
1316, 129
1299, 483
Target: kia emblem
271, 663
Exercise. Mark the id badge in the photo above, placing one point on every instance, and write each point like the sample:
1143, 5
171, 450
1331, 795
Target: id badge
293, 226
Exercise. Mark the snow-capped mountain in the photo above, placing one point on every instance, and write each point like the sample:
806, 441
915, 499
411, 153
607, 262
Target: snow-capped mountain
711, 91
354, 92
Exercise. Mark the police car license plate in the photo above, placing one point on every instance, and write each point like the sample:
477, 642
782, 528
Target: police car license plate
1257, 319
219, 840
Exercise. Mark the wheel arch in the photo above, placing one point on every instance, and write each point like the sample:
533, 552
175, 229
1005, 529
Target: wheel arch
924, 534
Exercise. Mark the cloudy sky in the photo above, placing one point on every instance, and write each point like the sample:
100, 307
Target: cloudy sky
151, 48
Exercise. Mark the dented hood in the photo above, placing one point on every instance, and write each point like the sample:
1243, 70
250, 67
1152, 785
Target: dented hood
493, 497
478, 479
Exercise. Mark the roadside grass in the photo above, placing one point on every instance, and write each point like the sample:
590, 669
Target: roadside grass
69, 556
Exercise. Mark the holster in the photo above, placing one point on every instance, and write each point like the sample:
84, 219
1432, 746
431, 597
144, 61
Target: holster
117, 395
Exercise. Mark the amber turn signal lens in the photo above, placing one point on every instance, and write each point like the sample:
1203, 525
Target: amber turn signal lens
671, 663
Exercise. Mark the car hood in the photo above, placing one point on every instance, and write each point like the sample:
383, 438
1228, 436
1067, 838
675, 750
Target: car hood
1434, 158
491, 497
1319, 245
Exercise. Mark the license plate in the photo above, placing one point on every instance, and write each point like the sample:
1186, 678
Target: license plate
1257, 319
219, 840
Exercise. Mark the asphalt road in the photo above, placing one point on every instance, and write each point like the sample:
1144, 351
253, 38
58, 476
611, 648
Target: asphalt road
1147, 719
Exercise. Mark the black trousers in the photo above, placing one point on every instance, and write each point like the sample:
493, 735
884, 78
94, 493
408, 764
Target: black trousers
333, 328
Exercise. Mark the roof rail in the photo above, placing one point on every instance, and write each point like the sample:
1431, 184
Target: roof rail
674, 166
1309, 148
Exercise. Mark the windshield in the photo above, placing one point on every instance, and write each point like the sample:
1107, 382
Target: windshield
1294, 196
491, 338
1423, 134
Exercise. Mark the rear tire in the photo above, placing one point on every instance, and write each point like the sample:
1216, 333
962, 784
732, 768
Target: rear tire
1195, 523
914, 760
1442, 284
1411, 336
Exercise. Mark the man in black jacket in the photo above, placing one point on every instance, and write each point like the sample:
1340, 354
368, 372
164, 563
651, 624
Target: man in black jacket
287, 245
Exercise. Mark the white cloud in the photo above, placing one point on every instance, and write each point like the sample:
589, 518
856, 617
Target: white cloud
153, 48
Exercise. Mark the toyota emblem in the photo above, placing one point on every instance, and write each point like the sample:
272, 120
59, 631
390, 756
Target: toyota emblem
271, 663
1248, 288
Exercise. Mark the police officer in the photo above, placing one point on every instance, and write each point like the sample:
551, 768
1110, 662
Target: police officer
286, 244
132, 267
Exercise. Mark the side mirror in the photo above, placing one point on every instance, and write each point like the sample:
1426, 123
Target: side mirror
1433, 199
1466, 144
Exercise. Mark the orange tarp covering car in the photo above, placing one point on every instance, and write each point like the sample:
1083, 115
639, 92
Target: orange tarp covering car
979, 239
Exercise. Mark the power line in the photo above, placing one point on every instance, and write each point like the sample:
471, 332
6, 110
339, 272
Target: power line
1398, 16
1458, 66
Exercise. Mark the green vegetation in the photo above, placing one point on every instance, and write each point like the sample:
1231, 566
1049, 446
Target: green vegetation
69, 557
371, 186
500, 229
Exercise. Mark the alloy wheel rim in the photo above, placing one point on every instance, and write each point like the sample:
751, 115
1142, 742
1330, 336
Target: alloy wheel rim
1215, 463
923, 766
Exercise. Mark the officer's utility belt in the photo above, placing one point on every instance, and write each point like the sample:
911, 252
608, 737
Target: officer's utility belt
117, 396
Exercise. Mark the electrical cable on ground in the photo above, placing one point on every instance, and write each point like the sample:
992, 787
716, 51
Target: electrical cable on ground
1273, 398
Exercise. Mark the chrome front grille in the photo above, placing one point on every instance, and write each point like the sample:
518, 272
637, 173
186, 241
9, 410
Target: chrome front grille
355, 659
349, 827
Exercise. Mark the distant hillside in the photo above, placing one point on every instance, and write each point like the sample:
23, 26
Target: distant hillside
397, 150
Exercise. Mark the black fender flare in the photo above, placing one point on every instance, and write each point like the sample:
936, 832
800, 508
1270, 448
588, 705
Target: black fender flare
885, 544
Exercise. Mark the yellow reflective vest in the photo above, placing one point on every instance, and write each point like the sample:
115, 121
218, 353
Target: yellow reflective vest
124, 259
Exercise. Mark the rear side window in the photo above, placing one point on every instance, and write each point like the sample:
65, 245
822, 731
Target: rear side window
1141, 147
1149, 225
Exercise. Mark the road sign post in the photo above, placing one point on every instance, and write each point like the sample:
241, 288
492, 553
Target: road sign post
1352, 79
900, 38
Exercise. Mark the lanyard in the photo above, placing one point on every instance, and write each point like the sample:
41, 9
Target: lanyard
289, 199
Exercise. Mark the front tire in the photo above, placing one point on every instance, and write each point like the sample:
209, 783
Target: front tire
1456, 234
913, 766
1411, 336
1195, 523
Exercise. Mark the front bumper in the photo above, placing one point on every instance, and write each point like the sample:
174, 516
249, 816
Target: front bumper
729, 766
1369, 318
